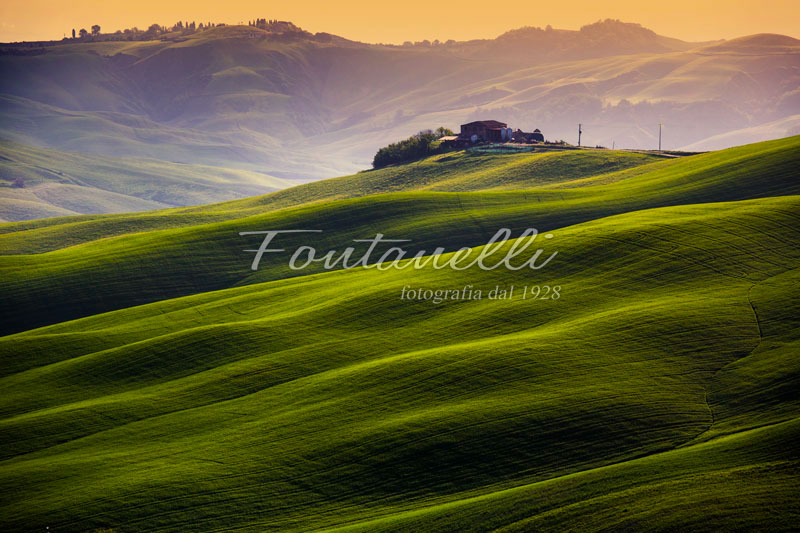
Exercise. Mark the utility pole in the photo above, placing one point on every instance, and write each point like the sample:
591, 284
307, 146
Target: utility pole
659, 136
579, 134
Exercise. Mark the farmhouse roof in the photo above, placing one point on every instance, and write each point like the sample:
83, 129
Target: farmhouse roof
488, 123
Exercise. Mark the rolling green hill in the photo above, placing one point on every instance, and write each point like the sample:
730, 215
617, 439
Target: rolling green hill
453, 172
657, 392
136, 259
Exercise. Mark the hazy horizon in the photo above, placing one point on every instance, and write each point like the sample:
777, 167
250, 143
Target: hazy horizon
36, 20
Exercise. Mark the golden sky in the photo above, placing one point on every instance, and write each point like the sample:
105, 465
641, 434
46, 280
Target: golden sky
397, 21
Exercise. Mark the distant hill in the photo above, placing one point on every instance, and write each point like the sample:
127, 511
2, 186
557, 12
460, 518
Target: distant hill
309, 106
58, 183
601, 39
785, 127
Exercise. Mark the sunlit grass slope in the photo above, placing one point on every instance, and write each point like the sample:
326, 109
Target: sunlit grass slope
655, 393
454, 172
123, 260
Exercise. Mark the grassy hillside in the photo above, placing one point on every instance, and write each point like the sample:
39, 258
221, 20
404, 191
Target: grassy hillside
656, 392
453, 172
61, 183
180, 252
326, 401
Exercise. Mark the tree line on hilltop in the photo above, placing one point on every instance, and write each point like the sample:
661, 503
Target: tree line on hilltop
154, 31
157, 31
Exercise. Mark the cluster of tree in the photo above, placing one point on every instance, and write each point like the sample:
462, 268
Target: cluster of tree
275, 26
157, 31
84, 34
416, 147
187, 27
428, 44
154, 31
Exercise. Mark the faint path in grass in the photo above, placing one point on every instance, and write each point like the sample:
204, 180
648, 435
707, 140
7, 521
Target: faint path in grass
748, 354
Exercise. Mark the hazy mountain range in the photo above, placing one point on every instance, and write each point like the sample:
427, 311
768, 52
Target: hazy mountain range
299, 106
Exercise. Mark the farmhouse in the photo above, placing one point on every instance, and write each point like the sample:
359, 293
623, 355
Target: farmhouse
492, 131
486, 130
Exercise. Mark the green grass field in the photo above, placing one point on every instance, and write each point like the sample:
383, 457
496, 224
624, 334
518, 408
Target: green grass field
151, 381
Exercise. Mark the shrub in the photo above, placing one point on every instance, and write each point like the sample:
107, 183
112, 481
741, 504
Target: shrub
415, 147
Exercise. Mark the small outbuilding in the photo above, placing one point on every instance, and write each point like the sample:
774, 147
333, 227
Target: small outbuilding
525, 137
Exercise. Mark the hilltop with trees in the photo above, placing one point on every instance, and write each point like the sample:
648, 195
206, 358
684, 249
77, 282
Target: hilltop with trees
181, 28
153, 32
